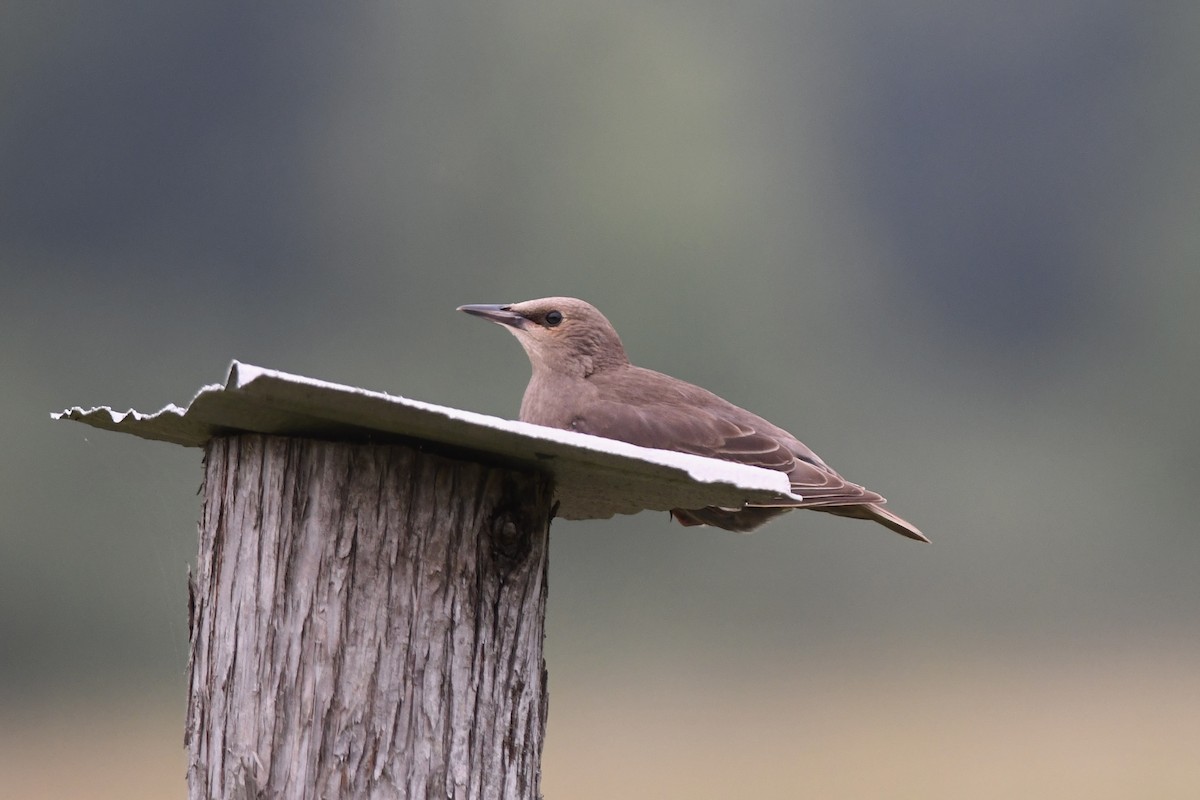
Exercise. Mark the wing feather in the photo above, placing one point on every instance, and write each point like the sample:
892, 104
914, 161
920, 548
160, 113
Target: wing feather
718, 429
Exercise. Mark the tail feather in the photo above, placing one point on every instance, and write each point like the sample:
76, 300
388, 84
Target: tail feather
746, 519
877, 513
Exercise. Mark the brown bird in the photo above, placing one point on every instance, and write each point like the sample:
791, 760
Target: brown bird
583, 381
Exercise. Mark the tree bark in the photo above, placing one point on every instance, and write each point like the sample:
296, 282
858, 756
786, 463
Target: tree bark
366, 621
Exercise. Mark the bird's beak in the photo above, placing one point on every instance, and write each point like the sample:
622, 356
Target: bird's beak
498, 314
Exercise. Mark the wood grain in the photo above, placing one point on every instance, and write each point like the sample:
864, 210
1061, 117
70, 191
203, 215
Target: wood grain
366, 621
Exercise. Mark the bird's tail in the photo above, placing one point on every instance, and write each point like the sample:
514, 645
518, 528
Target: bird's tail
878, 513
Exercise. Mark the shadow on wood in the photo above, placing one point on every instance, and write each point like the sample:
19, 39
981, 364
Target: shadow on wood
366, 621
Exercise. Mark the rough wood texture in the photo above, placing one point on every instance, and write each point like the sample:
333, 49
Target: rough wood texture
366, 621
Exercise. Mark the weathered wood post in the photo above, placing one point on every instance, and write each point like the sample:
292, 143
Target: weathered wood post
368, 607
366, 621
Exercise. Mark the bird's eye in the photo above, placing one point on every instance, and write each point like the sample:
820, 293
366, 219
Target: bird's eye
553, 318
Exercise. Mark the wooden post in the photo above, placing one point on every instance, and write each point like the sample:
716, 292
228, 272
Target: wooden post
366, 622
367, 619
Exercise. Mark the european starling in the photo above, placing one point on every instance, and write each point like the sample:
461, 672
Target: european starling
583, 381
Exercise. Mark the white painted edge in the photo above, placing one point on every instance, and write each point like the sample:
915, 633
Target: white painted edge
698, 468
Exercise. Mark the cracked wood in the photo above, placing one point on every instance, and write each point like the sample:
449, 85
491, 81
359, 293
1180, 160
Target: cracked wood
366, 621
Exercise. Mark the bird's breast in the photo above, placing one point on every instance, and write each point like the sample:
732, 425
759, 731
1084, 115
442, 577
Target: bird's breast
551, 403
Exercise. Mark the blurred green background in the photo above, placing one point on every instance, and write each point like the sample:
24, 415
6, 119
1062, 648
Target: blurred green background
955, 247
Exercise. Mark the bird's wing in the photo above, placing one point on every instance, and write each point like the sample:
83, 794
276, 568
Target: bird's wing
730, 434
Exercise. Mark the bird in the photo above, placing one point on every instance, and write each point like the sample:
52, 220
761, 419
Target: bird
583, 381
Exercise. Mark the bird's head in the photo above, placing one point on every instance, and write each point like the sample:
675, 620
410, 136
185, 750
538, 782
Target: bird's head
559, 334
